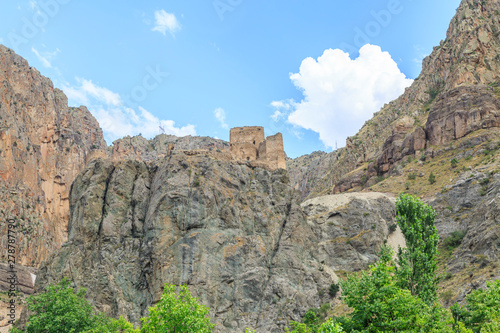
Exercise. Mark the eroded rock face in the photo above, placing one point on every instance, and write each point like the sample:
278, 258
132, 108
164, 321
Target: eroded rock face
462, 111
471, 205
43, 146
456, 94
236, 235
142, 149
350, 228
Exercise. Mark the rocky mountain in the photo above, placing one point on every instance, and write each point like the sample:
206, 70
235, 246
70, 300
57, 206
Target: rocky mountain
447, 124
456, 96
43, 146
258, 247
139, 148
235, 234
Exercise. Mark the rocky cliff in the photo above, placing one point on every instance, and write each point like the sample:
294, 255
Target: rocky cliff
455, 96
236, 235
43, 146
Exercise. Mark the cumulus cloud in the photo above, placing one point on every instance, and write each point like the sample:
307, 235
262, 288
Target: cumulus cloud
341, 93
116, 119
166, 22
220, 115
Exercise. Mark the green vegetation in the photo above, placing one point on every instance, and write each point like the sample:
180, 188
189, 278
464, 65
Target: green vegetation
454, 162
394, 295
61, 309
454, 240
418, 262
481, 312
380, 305
333, 290
432, 178
412, 176
177, 313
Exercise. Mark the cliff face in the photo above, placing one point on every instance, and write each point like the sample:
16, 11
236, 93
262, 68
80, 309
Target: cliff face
236, 235
43, 145
455, 96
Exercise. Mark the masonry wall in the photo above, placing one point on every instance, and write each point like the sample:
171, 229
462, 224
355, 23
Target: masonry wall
275, 153
248, 143
244, 142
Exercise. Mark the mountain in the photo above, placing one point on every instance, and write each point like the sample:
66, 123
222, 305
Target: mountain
43, 147
258, 246
445, 124
235, 234
453, 101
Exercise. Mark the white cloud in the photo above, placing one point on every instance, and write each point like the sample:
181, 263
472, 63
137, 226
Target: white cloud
340, 93
166, 22
45, 57
116, 119
220, 115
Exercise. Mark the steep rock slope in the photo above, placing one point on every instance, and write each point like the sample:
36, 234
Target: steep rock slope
456, 95
43, 146
235, 234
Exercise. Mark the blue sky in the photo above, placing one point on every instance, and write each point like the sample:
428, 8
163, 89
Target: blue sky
201, 67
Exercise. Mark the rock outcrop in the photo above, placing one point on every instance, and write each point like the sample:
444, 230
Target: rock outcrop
235, 234
471, 206
456, 94
142, 149
350, 228
43, 147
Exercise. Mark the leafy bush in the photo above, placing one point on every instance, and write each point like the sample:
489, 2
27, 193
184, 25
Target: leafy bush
455, 239
392, 228
60, 309
432, 178
454, 162
177, 313
481, 312
412, 176
334, 289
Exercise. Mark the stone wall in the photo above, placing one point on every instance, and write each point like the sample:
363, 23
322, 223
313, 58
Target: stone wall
248, 144
275, 153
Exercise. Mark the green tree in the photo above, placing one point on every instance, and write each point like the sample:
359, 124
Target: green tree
380, 305
418, 261
481, 312
60, 309
432, 178
176, 313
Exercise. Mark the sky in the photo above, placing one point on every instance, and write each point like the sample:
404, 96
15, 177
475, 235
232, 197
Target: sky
312, 70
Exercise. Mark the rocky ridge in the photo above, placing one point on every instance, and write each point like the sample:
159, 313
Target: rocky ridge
235, 234
455, 95
43, 146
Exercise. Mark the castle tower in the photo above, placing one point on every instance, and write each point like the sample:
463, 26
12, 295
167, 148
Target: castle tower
248, 144
244, 142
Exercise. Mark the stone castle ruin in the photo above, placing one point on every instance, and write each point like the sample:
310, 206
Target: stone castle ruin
248, 143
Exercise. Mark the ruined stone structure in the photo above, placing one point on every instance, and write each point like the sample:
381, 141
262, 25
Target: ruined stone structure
249, 144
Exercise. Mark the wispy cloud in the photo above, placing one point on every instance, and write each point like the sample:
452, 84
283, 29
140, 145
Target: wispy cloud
45, 57
220, 115
116, 119
166, 22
